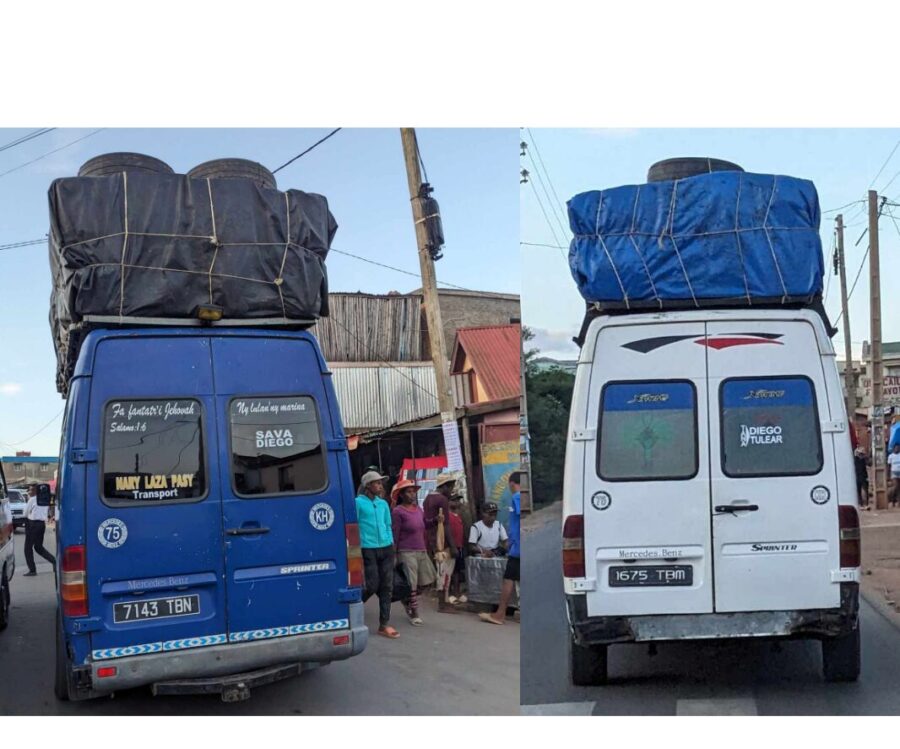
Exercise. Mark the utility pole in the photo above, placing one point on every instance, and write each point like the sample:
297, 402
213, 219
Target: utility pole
429, 290
849, 376
878, 456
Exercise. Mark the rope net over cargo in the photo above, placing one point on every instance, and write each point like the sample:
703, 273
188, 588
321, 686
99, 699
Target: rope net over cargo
725, 238
137, 246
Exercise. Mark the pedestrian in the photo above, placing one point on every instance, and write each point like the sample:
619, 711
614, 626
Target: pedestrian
894, 462
408, 522
377, 540
453, 591
437, 510
861, 464
511, 574
35, 525
488, 537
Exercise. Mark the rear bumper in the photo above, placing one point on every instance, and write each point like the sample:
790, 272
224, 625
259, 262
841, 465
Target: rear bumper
306, 650
810, 623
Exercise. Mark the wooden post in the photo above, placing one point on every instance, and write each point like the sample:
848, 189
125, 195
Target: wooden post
879, 461
849, 375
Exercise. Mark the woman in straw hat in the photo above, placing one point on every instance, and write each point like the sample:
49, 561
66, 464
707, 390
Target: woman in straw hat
408, 522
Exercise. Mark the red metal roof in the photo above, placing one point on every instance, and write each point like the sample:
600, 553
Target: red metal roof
495, 353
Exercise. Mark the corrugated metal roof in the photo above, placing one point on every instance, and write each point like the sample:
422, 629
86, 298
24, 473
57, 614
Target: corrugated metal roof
377, 396
495, 353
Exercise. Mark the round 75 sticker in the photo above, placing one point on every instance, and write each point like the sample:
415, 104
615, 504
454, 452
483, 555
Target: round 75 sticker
112, 533
321, 516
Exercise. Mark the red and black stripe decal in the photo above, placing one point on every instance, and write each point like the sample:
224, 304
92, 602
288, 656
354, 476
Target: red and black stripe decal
717, 342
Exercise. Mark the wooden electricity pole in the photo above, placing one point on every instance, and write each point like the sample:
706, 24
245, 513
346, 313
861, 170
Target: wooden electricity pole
429, 283
878, 447
849, 376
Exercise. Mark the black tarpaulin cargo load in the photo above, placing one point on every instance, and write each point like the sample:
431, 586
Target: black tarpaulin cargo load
134, 247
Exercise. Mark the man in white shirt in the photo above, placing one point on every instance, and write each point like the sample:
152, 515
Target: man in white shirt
35, 525
487, 538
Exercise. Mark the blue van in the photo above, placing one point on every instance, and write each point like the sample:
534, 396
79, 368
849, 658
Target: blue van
207, 533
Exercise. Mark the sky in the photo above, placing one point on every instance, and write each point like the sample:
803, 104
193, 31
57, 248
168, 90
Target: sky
360, 171
843, 164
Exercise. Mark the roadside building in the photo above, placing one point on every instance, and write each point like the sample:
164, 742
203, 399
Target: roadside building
378, 351
25, 468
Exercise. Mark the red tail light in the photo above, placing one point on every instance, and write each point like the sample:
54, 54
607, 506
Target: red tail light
573, 546
73, 584
354, 556
850, 542
341, 640
106, 671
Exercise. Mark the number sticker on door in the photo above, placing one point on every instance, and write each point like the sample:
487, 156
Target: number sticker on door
112, 533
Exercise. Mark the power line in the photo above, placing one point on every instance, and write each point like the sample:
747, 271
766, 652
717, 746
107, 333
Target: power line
550, 201
846, 205
26, 243
853, 287
884, 164
303, 153
546, 217
45, 155
543, 167
22, 442
544, 244
391, 267
25, 138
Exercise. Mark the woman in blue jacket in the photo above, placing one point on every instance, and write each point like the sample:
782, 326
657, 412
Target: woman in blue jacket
377, 540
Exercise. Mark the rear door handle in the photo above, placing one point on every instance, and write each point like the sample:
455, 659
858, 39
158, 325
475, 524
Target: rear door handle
251, 531
732, 509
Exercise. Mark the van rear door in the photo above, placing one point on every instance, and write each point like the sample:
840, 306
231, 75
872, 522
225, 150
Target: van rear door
767, 405
285, 542
153, 513
646, 483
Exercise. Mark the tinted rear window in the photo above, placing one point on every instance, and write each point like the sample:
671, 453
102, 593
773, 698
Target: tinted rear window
276, 446
770, 427
153, 451
648, 431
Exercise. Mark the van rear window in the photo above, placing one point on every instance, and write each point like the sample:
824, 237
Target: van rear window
153, 451
276, 446
648, 431
770, 427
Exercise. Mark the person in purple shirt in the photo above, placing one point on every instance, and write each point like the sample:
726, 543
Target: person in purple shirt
408, 523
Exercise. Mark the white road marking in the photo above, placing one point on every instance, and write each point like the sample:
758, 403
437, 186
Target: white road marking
723, 706
559, 708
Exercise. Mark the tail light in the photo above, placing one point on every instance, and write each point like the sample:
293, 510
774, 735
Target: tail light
73, 585
104, 672
573, 546
850, 543
354, 556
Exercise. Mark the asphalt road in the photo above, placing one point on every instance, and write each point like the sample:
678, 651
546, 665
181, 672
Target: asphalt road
455, 664
733, 677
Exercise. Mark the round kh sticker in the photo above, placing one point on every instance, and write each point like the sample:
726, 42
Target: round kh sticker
112, 533
601, 501
820, 495
321, 516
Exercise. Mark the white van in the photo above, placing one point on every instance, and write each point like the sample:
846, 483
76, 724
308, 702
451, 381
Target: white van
709, 486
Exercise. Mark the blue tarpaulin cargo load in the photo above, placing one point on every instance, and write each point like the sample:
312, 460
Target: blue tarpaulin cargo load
730, 238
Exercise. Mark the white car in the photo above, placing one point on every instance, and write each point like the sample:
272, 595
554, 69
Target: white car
709, 486
18, 499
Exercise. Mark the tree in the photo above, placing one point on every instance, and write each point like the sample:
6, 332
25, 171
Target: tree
549, 399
